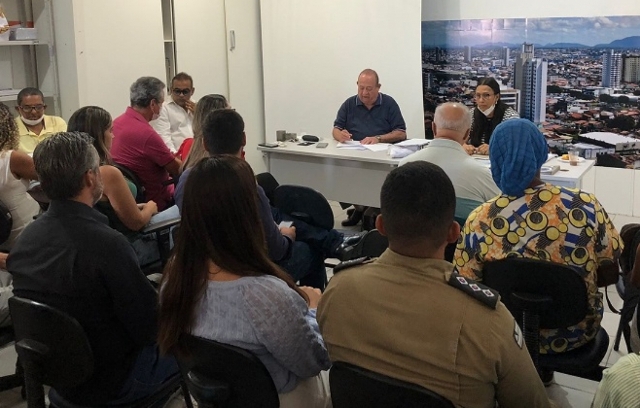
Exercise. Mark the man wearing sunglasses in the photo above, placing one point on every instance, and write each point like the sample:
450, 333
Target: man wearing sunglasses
176, 115
33, 125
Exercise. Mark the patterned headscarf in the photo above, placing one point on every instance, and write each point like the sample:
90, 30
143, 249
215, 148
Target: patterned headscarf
517, 150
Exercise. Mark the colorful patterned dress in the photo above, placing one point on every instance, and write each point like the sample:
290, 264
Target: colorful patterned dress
549, 223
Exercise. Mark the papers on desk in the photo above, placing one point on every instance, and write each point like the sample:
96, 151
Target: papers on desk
378, 147
351, 144
354, 145
413, 142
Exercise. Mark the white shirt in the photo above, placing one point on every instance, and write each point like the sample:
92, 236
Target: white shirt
173, 125
13, 193
470, 179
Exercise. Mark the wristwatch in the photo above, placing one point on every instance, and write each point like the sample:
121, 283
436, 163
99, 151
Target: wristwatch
379, 139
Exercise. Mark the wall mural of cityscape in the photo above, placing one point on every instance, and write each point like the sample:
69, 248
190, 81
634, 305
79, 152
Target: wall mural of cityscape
568, 75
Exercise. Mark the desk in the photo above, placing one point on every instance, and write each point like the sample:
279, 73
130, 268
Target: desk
567, 176
347, 175
356, 176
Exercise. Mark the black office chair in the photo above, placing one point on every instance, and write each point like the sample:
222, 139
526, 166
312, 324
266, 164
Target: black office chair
54, 350
372, 244
356, 387
304, 203
219, 375
132, 177
268, 184
546, 295
630, 295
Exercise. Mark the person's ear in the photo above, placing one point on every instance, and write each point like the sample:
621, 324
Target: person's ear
380, 225
244, 139
17, 108
434, 128
193, 90
467, 134
454, 232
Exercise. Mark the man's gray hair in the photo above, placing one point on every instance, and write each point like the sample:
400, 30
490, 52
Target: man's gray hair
61, 162
144, 90
460, 122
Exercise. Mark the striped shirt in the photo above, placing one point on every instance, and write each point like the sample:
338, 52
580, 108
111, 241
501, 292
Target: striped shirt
619, 385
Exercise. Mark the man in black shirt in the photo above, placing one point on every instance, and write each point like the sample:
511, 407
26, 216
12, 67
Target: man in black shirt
70, 259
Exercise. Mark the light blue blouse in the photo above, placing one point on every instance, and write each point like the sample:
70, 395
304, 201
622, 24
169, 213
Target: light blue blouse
265, 316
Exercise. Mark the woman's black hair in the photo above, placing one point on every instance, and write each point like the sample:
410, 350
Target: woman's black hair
482, 126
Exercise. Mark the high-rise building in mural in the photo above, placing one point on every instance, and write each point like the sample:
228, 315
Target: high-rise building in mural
530, 77
631, 68
611, 69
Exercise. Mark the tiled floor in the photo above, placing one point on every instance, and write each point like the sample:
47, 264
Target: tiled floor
567, 392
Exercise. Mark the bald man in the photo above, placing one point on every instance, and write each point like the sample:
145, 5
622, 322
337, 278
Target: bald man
369, 117
471, 180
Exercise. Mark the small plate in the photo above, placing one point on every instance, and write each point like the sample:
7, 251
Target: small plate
580, 160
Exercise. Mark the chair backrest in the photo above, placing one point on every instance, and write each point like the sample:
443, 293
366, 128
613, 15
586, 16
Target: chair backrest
6, 223
561, 283
353, 386
372, 244
132, 177
52, 345
304, 203
268, 184
216, 372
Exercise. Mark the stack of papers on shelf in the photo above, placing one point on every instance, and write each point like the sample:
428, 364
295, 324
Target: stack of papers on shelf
9, 92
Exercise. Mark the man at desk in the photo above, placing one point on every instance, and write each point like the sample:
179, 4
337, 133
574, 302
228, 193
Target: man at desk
369, 117
33, 125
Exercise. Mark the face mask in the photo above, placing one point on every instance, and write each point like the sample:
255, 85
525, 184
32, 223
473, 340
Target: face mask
31, 122
489, 110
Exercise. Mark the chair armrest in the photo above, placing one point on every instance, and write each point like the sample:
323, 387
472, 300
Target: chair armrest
159, 226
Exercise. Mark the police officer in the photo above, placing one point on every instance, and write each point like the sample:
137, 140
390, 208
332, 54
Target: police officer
407, 316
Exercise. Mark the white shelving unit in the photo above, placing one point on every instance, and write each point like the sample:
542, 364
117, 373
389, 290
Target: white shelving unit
169, 40
30, 63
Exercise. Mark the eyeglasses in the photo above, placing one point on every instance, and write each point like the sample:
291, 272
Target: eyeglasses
36, 108
185, 92
483, 96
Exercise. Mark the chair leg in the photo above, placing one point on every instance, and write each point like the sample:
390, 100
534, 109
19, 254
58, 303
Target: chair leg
616, 344
35, 390
186, 394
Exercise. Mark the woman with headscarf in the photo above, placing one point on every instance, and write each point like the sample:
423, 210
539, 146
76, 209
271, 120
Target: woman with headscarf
489, 112
533, 219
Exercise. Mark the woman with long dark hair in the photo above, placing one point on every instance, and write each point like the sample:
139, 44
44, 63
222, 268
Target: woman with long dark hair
221, 285
489, 112
117, 201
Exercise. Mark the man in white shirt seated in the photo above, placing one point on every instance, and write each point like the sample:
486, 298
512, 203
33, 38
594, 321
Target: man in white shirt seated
174, 124
471, 180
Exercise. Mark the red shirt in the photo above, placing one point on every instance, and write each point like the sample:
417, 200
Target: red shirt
137, 146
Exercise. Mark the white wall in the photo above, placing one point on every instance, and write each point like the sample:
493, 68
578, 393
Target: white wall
201, 44
245, 74
314, 51
106, 46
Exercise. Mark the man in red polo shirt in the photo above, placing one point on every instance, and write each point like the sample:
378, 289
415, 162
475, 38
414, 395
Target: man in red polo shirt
138, 147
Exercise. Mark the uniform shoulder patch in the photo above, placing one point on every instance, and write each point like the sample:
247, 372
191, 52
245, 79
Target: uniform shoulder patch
486, 295
352, 262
